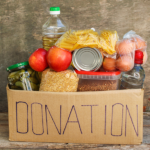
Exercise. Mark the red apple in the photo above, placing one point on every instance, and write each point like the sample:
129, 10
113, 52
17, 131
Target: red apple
37, 60
58, 59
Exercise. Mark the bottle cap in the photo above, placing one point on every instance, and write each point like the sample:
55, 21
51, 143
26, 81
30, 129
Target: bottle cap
138, 57
54, 10
17, 65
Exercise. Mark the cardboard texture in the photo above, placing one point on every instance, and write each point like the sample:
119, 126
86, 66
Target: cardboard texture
109, 117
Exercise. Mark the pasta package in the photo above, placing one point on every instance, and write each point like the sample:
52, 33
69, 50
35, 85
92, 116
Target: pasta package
107, 41
64, 81
73, 40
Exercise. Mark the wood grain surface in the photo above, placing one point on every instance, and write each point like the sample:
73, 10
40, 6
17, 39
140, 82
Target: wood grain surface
21, 27
6, 144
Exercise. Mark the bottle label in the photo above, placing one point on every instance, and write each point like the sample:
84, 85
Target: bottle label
136, 75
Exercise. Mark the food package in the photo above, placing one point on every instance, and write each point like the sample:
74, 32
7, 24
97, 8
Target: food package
73, 40
108, 39
123, 59
64, 81
125, 49
145, 57
125, 62
140, 43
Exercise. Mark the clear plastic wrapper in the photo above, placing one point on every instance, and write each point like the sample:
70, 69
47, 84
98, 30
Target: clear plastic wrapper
140, 43
145, 56
125, 46
108, 39
73, 40
64, 81
125, 49
125, 62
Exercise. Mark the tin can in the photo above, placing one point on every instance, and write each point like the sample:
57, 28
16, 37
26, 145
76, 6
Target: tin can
87, 59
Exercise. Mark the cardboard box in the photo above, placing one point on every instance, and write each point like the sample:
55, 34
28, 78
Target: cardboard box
109, 117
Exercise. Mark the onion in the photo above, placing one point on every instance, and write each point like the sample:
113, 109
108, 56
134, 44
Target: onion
140, 43
125, 46
109, 64
124, 63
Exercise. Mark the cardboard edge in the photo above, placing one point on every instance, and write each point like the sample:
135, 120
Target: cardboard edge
142, 111
75, 93
9, 101
139, 143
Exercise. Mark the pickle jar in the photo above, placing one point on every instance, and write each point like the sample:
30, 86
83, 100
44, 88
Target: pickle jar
22, 77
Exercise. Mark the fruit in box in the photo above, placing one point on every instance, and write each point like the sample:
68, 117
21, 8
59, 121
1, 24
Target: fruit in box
37, 60
58, 59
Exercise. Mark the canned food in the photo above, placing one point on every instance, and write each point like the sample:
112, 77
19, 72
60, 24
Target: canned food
87, 59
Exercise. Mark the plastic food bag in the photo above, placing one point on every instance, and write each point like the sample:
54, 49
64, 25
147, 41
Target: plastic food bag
125, 49
64, 81
125, 62
140, 43
145, 57
108, 39
73, 40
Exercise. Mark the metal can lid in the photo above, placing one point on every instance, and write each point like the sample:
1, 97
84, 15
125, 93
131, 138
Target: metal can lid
87, 59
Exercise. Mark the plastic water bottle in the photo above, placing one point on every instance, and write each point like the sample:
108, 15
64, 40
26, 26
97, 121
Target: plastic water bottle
134, 78
53, 29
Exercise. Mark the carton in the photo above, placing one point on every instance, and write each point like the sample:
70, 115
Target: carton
104, 117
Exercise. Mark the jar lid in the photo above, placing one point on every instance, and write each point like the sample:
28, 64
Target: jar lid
17, 65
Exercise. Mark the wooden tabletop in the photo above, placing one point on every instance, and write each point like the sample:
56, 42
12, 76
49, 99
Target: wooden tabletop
6, 144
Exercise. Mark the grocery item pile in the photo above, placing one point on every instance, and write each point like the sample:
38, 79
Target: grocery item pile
82, 60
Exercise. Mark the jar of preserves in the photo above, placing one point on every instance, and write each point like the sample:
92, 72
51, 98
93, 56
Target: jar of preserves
22, 77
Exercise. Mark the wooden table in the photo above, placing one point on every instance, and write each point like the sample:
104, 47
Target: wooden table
6, 144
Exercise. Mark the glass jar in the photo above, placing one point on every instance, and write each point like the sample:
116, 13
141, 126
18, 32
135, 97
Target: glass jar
22, 77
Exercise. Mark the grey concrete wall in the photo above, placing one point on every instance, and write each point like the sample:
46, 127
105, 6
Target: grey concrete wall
21, 22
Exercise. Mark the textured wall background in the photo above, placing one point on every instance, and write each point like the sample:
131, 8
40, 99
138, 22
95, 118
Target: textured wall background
21, 22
